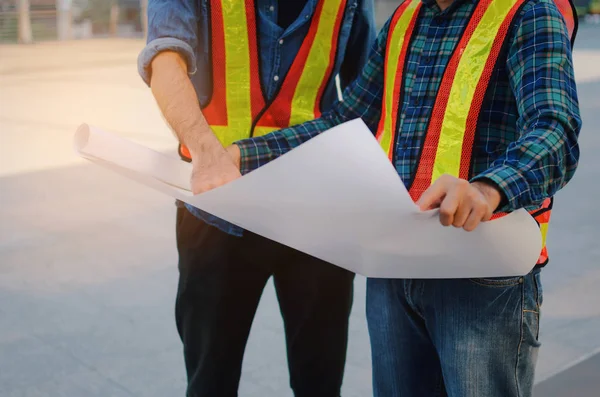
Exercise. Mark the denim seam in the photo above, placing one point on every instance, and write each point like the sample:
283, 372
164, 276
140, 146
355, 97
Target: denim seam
406, 290
440, 385
537, 292
538, 310
416, 303
498, 284
418, 307
520, 339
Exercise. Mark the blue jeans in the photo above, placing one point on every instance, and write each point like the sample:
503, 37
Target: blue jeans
456, 338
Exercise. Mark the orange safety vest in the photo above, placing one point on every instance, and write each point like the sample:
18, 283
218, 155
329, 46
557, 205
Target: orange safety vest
452, 129
238, 109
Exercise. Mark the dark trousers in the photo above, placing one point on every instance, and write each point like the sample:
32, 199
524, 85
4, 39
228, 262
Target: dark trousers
222, 278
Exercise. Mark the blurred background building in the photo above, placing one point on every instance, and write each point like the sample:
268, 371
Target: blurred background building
38, 20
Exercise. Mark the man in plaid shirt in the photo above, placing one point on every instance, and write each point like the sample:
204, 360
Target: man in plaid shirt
463, 337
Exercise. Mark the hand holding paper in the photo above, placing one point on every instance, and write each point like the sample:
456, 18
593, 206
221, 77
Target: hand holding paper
462, 204
345, 204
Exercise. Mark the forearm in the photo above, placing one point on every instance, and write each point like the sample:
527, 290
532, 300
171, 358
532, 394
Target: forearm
539, 164
258, 151
178, 102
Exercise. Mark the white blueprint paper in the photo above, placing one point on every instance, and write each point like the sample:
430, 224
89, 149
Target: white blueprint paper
338, 198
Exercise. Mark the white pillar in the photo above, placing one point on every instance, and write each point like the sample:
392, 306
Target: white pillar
25, 35
64, 19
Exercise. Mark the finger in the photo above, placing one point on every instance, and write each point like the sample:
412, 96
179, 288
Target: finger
433, 196
476, 216
462, 213
449, 206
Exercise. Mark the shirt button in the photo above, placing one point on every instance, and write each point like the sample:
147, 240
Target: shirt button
281, 42
428, 60
272, 8
276, 78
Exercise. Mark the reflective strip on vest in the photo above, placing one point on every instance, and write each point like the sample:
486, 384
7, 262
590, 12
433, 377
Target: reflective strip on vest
299, 98
449, 140
237, 105
400, 31
448, 144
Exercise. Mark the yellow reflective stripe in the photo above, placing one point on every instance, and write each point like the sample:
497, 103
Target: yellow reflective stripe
237, 72
544, 231
226, 135
394, 46
230, 135
305, 98
468, 74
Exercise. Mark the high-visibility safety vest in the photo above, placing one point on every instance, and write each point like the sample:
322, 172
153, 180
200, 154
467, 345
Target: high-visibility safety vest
238, 108
449, 140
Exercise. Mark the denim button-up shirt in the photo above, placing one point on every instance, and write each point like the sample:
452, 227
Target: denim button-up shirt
184, 26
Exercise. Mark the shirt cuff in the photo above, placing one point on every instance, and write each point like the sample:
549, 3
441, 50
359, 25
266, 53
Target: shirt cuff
254, 153
511, 183
156, 46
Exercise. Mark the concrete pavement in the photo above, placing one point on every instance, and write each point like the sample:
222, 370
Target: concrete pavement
88, 264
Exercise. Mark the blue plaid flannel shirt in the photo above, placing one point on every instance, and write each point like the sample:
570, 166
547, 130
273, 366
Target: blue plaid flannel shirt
528, 128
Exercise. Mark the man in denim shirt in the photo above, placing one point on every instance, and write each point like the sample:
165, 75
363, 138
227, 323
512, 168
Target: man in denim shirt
224, 70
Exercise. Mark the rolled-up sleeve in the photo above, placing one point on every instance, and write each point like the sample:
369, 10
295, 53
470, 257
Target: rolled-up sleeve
172, 26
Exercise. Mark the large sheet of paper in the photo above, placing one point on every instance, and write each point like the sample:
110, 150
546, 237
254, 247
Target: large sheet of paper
338, 198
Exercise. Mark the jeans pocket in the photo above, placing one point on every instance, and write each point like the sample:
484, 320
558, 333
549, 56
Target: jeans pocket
498, 281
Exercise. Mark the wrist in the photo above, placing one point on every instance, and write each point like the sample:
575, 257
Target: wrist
492, 193
203, 142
